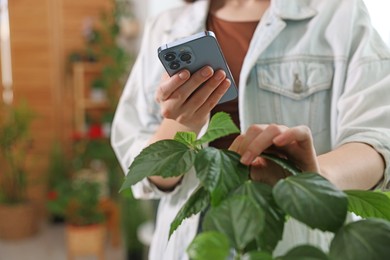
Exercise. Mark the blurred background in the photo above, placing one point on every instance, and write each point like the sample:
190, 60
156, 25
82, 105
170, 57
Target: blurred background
63, 67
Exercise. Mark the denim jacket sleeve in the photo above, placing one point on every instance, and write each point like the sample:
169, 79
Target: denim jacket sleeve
363, 110
137, 115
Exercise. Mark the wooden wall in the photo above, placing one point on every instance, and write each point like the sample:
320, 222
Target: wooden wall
43, 34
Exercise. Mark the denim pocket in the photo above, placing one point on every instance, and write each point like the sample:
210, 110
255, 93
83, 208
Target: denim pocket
296, 92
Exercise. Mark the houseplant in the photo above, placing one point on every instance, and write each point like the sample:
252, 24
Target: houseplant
15, 143
58, 176
249, 217
106, 43
85, 227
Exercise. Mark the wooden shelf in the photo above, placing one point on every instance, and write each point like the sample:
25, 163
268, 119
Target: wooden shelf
83, 75
92, 104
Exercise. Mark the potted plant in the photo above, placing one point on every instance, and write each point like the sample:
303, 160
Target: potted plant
249, 217
98, 91
15, 143
85, 227
58, 179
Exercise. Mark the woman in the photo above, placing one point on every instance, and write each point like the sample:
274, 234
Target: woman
313, 86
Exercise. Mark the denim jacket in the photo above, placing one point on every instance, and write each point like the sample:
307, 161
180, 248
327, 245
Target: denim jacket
310, 62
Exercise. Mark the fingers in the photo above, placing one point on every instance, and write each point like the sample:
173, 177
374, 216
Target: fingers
295, 144
258, 138
208, 95
170, 84
235, 146
181, 85
189, 99
299, 134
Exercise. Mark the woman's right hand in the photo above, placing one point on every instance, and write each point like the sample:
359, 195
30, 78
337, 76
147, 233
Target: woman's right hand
182, 100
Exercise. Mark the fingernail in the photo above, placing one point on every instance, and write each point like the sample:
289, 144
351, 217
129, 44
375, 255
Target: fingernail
279, 140
184, 75
220, 75
247, 158
206, 72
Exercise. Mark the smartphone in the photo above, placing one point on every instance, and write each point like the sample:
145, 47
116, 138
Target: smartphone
193, 53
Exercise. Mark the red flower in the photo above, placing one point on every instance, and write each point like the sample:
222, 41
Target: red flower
95, 131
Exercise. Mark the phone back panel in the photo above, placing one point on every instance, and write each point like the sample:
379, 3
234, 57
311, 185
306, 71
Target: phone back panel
193, 53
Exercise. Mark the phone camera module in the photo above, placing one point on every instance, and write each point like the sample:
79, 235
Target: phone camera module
170, 56
174, 65
185, 57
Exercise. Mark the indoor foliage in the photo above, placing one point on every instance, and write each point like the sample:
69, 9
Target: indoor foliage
15, 145
249, 217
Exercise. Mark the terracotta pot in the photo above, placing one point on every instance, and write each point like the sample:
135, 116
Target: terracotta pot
18, 221
86, 240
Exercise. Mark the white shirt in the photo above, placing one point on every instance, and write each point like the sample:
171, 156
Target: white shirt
312, 62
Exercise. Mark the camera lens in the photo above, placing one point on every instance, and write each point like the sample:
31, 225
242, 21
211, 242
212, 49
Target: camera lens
170, 56
174, 65
185, 56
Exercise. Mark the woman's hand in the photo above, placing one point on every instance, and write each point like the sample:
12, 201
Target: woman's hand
182, 100
294, 144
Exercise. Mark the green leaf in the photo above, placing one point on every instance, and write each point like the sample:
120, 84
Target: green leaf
220, 172
187, 138
285, 164
313, 200
166, 158
362, 240
239, 218
209, 245
257, 255
369, 204
198, 201
220, 125
274, 216
304, 252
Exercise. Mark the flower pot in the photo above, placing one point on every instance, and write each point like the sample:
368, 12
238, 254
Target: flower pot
86, 240
98, 95
18, 221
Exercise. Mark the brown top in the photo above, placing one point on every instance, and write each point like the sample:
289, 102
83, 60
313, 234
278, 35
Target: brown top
234, 39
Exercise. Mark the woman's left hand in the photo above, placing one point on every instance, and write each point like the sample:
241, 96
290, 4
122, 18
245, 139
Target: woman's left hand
294, 144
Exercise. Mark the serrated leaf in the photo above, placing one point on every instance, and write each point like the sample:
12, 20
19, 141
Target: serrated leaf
238, 217
362, 240
198, 201
274, 216
313, 200
304, 252
220, 125
368, 204
285, 164
219, 171
209, 245
187, 138
166, 158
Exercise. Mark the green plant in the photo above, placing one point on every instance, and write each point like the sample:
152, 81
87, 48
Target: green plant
79, 202
15, 143
98, 84
102, 44
74, 197
58, 177
249, 217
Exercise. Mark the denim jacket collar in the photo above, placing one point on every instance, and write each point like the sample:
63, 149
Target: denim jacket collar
292, 9
282, 9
